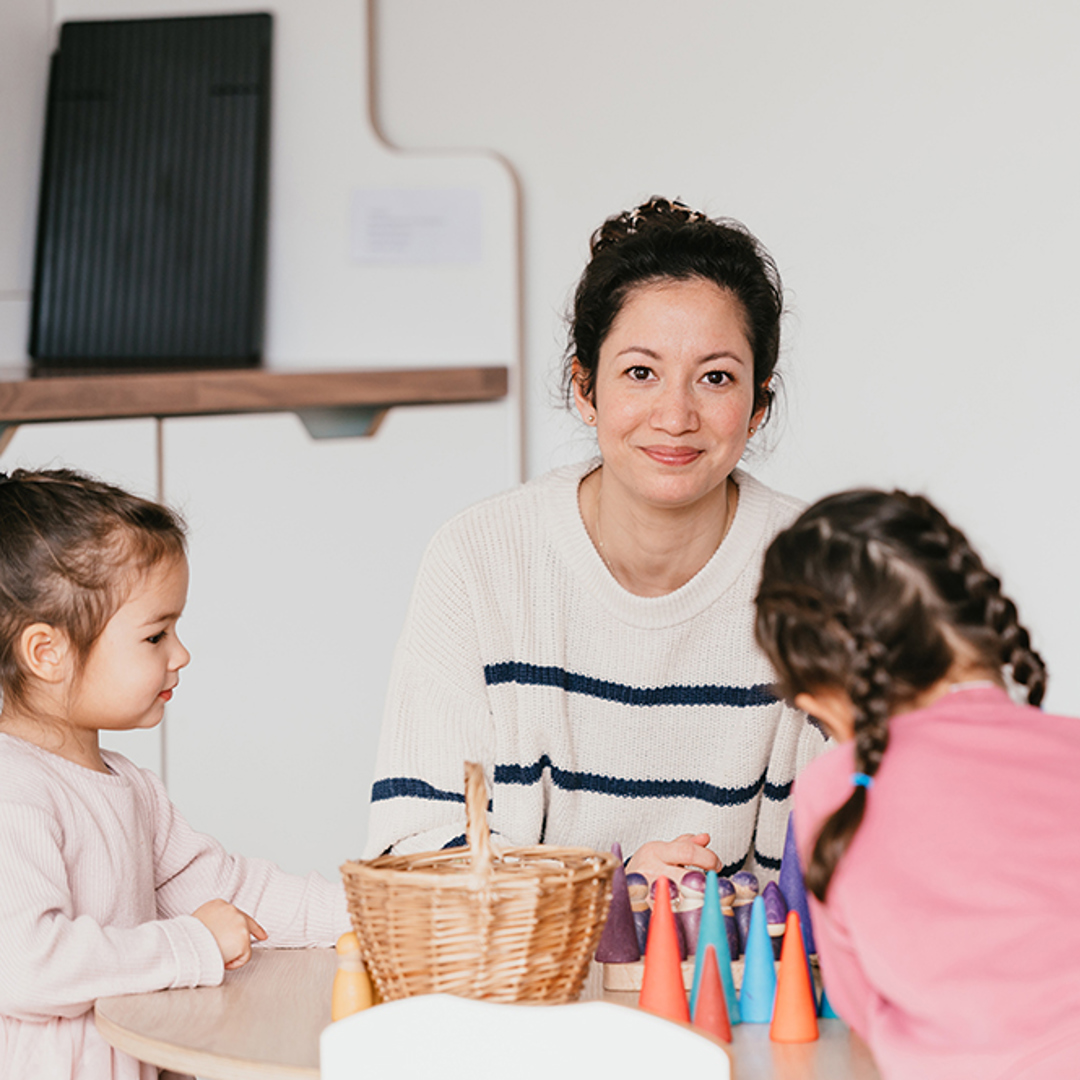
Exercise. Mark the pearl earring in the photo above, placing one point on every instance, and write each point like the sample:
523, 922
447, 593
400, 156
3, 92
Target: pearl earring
752, 430
591, 419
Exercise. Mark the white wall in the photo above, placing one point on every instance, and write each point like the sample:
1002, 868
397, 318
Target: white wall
913, 168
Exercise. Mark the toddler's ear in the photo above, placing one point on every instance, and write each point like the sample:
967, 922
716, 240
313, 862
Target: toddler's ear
833, 708
44, 651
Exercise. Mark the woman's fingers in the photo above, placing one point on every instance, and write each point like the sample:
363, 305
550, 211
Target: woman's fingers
670, 858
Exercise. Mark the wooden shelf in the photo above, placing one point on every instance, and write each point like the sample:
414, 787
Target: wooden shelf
331, 403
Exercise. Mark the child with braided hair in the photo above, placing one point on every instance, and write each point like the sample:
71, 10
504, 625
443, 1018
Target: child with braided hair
941, 838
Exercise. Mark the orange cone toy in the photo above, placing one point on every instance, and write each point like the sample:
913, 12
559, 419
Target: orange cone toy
795, 1014
662, 990
711, 1014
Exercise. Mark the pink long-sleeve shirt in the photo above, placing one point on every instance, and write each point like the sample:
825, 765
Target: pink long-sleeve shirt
99, 875
950, 939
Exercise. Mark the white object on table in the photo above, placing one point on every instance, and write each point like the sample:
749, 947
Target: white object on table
440, 1035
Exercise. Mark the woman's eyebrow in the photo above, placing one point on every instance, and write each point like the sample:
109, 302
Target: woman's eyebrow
723, 354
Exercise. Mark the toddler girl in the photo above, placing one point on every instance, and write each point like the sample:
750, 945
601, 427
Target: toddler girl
104, 888
941, 840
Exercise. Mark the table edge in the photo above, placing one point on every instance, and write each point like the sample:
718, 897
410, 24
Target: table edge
208, 1066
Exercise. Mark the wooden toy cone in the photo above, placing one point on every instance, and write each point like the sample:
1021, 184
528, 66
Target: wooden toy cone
618, 941
825, 1009
793, 886
711, 1014
352, 989
795, 1016
713, 932
759, 970
662, 990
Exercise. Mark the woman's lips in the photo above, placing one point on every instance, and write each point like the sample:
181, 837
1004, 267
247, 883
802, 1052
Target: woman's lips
672, 455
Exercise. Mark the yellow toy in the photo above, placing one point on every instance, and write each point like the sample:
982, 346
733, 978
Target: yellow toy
353, 989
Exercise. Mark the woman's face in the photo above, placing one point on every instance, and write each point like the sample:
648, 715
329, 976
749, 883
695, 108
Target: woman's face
674, 393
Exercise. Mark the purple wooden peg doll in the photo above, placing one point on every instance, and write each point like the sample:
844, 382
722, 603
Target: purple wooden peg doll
618, 942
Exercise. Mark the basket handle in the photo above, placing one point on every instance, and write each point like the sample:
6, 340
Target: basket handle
476, 824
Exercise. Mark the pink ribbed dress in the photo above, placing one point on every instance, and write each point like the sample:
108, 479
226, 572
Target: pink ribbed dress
99, 875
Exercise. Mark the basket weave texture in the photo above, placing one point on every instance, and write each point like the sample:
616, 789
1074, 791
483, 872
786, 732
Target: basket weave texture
518, 925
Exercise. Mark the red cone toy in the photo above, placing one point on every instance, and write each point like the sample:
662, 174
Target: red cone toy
711, 1012
662, 990
795, 1013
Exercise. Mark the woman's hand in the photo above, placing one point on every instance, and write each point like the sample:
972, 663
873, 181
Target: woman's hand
671, 858
233, 930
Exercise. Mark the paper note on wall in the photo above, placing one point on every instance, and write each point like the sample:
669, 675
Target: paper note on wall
416, 225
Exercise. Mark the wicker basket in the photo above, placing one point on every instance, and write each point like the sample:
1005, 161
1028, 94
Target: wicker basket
521, 925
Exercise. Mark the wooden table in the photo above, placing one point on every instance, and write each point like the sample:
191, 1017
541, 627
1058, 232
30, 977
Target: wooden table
264, 1022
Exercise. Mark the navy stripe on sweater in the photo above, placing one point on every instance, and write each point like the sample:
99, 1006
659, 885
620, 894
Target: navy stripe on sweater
765, 861
527, 775
396, 787
514, 671
409, 787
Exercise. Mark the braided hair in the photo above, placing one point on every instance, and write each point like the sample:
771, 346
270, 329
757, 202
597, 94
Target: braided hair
875, 594
665, 240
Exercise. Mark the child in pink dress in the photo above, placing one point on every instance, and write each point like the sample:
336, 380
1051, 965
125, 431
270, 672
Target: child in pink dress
104, 888
941, 839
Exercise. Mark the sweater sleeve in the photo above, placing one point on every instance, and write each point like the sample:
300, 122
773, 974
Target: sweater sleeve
56, 963
437, 713
798, 741
192, 868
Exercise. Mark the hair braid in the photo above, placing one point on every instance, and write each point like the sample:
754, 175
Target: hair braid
870, 689
980, 611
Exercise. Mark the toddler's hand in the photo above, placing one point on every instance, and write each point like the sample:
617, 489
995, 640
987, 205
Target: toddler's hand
670, 858
233, 930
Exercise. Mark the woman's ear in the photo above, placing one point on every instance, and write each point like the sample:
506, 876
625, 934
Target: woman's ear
585, 407
45, 652
759, 414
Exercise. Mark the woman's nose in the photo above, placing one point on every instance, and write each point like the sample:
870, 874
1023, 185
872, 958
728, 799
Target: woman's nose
675, 410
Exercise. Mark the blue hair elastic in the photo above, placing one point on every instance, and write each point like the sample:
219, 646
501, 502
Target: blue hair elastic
860, 779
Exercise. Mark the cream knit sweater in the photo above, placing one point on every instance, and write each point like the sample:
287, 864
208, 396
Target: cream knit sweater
99, 875
599, 716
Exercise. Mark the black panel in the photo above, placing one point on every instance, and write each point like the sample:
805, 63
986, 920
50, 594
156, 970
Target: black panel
151, 242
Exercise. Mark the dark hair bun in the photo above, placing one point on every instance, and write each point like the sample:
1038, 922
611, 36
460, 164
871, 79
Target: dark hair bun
657, 212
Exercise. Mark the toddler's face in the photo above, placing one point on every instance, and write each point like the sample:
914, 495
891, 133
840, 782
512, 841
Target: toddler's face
134, 666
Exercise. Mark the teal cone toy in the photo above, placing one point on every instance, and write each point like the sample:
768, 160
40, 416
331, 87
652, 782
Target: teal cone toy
713, 932
759, 974
825, 1009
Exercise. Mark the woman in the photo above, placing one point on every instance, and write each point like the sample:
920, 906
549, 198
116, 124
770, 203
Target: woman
589, 636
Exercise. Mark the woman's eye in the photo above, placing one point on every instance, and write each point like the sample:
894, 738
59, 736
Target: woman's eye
718, 378
639, 372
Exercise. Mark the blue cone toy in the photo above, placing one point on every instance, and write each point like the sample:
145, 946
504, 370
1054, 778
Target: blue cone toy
712, 932
759, 974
